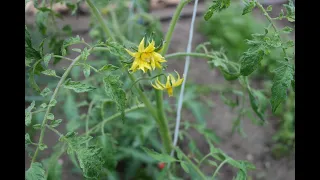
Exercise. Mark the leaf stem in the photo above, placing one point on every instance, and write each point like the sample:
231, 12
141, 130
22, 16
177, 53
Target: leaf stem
162, 122
114, 117
194, 166
205, 157
270, 20
173, 23
97, 14
219, 167
54, 95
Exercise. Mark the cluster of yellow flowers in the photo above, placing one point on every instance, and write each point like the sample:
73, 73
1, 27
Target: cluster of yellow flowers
148, 59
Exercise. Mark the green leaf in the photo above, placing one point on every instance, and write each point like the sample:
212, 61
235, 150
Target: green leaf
250, 61
290, 8
28, 114
293, 84
55, 123
32, 81
27, 37
184, 167
50, 116
179, 153
67, 29
35, 172
27, 139
212, 163
41, 47
43, 105
269, 8
108, 145
241, 175
255, 103
84, 54
37, 126
52, 103
248, 7
208, 14
273, 41
287, 29
46, 59
49, 72
76, 50
78, 87
89, 158
45, 92
69, 42
288, 44
41, 21
112, 86
230, 70
281, 82
42, 147
159, 157
217, 6
235, 163
86, 70
108, 67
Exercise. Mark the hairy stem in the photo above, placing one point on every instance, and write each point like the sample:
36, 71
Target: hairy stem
54, 95
219, 167
194, 166
163, 123
271, 22
173, 25
97, 14
114, 117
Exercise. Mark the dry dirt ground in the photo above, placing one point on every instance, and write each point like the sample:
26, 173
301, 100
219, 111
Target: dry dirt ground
255, 148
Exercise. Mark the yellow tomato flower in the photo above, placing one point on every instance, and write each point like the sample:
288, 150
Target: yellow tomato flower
146, 58
170, 84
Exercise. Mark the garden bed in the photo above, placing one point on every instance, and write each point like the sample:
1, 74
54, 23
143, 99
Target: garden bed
254, 148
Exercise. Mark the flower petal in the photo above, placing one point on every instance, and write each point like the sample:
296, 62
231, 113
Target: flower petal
150, 47
173, 81
160, 84
141, 46
153, 63
131, 53
170, 91
168, 85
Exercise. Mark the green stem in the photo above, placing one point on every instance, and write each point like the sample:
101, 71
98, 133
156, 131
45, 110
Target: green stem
97, 14
54, 95
162, 121
194, 166
38, 111
54, 130
200, 162
270, 20
173, 25
219, 167
114, 117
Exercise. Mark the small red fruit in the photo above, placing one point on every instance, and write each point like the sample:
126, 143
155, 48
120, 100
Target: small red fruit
161, 165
